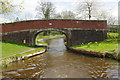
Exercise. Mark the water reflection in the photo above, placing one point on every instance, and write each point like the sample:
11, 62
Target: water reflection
59, 63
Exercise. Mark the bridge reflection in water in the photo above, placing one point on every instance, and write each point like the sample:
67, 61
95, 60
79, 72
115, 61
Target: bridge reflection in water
59, 63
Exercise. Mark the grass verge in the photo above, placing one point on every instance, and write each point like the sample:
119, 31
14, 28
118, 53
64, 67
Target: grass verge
24, 53
10, 50
45, 37
50, 36
110, 45
102, 46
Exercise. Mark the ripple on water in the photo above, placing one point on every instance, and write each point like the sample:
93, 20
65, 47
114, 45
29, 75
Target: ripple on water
32, 65
19, 70
12, 72
30, 68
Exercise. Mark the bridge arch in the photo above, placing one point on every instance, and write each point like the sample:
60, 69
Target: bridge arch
52, 29
76, 31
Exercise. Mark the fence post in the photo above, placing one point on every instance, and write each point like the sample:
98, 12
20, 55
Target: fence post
119, 28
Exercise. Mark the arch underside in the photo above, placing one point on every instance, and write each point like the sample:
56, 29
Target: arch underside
42, 30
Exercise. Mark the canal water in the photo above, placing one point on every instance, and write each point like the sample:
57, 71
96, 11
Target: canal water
57, 62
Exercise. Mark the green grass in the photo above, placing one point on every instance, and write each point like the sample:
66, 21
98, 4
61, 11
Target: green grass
10, 49
44, 37
109, 45
99, 46
25, 53
112, 35
43, 43
36, 50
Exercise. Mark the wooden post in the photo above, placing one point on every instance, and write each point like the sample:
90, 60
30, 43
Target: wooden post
119, 28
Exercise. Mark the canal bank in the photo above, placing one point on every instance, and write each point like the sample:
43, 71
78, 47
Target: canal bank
107, 48
57, 62
42, 48
94, 54
34, 52
4, 62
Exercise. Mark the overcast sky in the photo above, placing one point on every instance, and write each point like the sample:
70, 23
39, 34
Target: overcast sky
30, 5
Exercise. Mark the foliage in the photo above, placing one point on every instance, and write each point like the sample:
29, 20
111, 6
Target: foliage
65, 15
45, 10
112, 36
6, 7
9, 10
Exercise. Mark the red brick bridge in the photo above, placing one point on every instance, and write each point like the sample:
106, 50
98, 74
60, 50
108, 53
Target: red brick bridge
76, 31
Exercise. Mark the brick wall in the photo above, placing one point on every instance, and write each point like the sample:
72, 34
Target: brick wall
84, 36
38, 24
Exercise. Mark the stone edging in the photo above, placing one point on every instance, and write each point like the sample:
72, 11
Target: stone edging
92, 53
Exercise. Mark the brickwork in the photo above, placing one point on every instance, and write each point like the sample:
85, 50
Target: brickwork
77, 31
84, 36
38, 24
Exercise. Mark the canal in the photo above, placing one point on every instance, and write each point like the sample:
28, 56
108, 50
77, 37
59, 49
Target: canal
57, 62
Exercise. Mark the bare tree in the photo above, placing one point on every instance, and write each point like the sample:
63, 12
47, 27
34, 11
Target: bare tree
87, 7
101, 15
45, 10
111, 20
106, 15
66, 15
